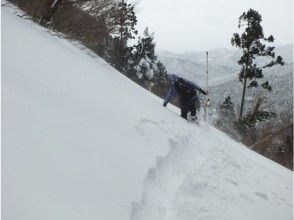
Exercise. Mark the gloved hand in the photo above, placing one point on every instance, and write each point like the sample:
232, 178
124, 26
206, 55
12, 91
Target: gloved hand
205, 92
164, 104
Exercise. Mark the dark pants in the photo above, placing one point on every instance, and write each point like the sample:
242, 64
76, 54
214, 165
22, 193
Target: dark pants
188, 105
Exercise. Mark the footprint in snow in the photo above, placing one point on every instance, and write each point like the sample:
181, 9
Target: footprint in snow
144, 124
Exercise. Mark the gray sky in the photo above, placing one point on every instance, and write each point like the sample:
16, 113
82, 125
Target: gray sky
197, 25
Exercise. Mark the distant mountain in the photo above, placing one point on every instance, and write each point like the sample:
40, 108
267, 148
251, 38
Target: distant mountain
192, 65
222, 63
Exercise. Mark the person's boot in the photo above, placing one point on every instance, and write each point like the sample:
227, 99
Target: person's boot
194, 120
184, 115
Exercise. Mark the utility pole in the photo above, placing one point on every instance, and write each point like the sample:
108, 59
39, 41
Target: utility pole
207, 103
207, 71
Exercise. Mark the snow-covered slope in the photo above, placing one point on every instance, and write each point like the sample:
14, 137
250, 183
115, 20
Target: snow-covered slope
81, 141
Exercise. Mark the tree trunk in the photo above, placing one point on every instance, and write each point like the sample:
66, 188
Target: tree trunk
243, 94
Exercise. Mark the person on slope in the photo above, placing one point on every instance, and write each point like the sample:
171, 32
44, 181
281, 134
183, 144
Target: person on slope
187, 94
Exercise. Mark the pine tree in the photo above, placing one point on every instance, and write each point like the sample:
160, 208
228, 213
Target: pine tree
145, 60
123, 22
252, 43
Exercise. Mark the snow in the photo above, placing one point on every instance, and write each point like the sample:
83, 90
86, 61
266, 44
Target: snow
148, 65
81, 141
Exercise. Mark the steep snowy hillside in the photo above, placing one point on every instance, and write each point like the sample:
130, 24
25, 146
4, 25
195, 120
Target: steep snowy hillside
81, 141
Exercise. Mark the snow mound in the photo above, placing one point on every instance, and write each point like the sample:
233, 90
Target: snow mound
213, 178
81, 141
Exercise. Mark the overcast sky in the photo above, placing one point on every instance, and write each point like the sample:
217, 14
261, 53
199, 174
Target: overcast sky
198, 25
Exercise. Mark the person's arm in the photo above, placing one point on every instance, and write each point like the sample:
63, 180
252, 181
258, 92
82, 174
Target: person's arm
198, 88
170, 95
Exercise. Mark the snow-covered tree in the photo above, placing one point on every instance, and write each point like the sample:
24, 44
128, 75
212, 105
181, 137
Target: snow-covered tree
144, 59
124, 21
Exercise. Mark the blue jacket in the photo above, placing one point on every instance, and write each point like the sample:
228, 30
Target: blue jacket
173, 92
